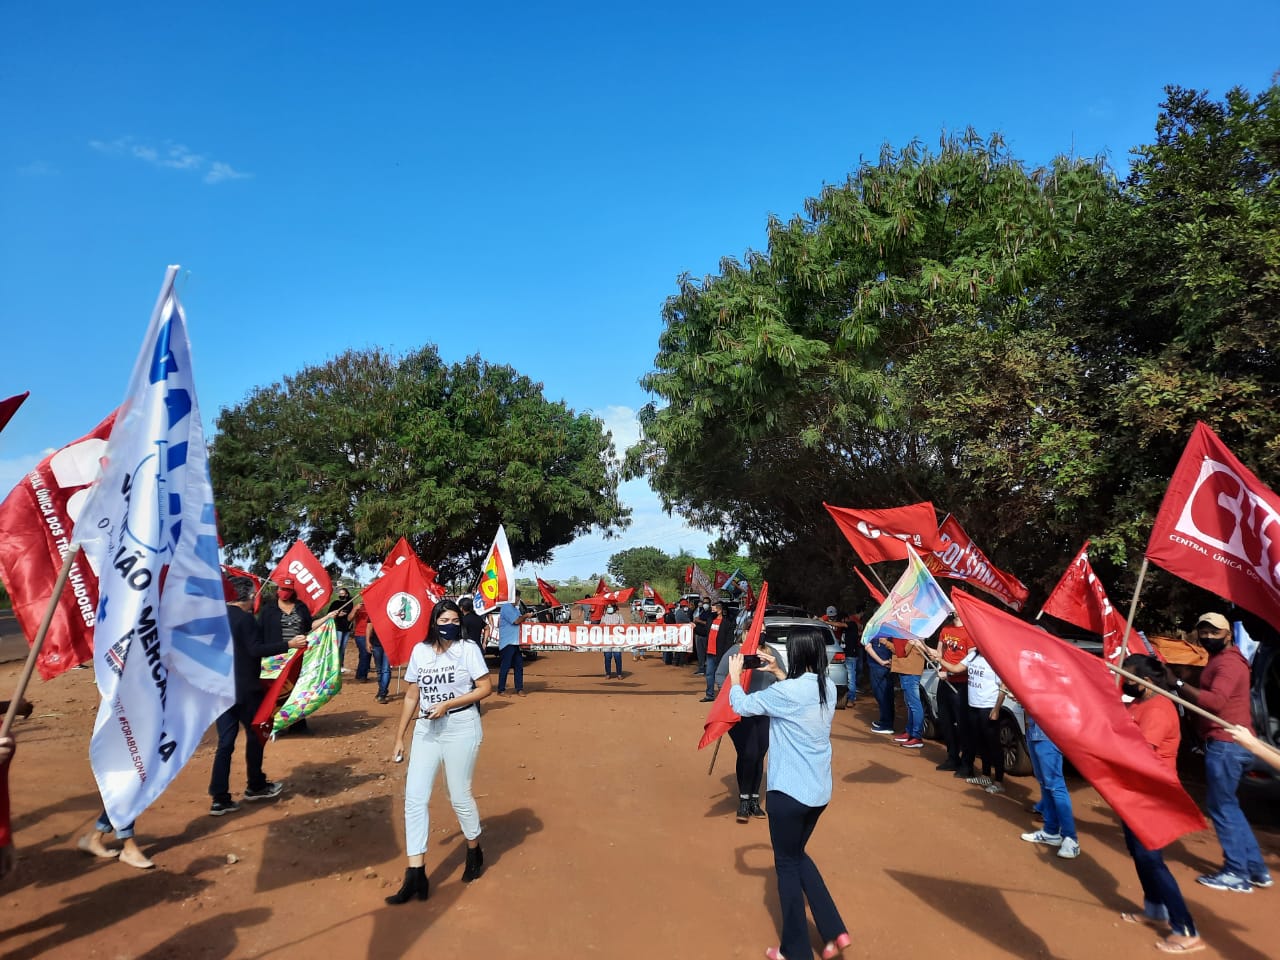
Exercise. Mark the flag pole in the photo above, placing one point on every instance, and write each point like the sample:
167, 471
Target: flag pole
38, 643
1133, 608
878, 580
1212, 717
715, 753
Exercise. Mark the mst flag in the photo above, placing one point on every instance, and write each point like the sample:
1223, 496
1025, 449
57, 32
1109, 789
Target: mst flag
37, 522
399, 605
721, 716
310, 579
915, 607
1079, 598
9, 407
877, 535
162, 646
1219, 528
960, 559
1073, 696
497, 583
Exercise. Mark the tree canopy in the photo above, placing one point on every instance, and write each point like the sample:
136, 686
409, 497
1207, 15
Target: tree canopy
356, 452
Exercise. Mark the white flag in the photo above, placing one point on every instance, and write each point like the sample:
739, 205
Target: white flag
162, 645
497, 583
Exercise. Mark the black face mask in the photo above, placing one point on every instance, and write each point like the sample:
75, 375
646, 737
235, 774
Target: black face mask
1131, 689
1214, 646
449, 632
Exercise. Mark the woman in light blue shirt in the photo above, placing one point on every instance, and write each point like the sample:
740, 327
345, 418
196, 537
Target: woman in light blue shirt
800, 708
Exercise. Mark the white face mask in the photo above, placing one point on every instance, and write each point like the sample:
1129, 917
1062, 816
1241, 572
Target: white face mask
608, 610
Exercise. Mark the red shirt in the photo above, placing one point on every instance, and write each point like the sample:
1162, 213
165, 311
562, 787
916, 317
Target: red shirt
954, 643
1157, 718
1224, 690
360, 622
711, 636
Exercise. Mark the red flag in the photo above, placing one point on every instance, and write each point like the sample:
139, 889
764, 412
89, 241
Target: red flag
718, 579
688, 574
960, 559
547, 591
276, 695
1072, 695
399, 554
654, 595
601, 587
749, 601
608, 597
877, 535
876, 593
1219, 528
1079, 598
36, 523
721, 716
399, 605
310, 579
9, 407
228, 572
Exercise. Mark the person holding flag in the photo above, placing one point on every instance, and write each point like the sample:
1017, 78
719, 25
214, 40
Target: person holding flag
750, 735
510, 616
800, 707
281, 620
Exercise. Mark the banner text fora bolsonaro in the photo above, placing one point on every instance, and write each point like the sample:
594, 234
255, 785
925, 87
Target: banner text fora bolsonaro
661, 637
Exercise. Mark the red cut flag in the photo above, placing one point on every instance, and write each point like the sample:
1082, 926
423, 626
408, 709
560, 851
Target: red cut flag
37, 521
1079, 598
878, 535
1073, 696
876, 593
310, 579
960, 559
399, 605
9, 407
547, 592
721, 716
1219, 528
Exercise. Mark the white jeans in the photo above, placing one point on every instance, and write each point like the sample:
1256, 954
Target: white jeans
455, 740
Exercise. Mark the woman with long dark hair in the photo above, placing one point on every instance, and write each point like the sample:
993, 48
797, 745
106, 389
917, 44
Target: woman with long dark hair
452, 679
800, 708
1157, 718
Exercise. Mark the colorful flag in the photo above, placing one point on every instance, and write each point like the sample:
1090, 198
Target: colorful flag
283, 671
37, 523
312, 678
876, 593
651, 594
1079, 598
915, 607
497, 584
721, 717
1219, 528
547, 592
877, 535
960, 559
399, 605
9, 407
1073, 696
162, 648
310, 579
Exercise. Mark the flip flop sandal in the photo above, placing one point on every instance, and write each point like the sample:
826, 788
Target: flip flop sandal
1143, 919
1168, 946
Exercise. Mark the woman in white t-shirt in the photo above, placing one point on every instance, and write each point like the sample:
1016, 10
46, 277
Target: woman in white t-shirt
452, 679
984, 692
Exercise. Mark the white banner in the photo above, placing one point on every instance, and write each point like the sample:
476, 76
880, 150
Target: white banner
162, 646
676, 637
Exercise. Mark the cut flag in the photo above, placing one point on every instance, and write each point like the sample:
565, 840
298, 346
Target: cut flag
1219, 528
1079, 598
162, 649
310, 579
37, 523
916, 606
497, 584
878, 535
9, 407
399, 604
1073, 696
721, 717
876, 593
960, 559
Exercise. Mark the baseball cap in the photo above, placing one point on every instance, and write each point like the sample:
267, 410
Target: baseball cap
831, 611
1215, 620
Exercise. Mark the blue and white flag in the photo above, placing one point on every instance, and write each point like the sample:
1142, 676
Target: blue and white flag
162, 646
1244, 643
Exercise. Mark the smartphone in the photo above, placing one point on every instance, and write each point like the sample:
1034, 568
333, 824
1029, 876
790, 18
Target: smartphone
752, 661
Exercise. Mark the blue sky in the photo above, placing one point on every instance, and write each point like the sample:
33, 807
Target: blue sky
523, 181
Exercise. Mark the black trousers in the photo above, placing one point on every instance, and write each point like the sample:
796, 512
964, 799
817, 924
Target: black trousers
989, 742
956, 723
791, 824
229, 725
750, 737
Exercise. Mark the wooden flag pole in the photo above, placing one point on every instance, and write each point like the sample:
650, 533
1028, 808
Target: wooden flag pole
38, 643
715, 753
1213, 718
878, 580
1133, 608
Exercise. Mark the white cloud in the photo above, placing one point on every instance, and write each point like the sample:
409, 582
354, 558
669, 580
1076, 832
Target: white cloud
36, 168
13, 469
170, 156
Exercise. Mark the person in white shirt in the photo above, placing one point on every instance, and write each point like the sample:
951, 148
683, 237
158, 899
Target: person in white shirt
984, 692
612, 658
452, 679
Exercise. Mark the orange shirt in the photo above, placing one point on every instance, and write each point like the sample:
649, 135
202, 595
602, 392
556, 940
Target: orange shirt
1157, 718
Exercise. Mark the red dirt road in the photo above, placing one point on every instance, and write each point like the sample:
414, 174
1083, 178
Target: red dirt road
603, 835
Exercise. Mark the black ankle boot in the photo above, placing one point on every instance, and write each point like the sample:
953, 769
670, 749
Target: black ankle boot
415, 885
744, 809
475, 864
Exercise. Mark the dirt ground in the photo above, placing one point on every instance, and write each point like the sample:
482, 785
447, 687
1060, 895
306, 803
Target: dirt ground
603, 836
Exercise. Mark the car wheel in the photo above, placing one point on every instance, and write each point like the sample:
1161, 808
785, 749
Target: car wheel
1016, 759
842, 697
930, 727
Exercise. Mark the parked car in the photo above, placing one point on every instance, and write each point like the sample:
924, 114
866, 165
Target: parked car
775, 630
650, 609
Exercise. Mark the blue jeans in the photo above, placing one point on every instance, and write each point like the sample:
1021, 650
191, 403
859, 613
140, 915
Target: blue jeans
511, 660
713, 661
791, 824
851, 661
1224, 764
915, 709
1055, 800
383, 666
362, 664
1159, 889
611, 658
104, 826
882, 690
342, 645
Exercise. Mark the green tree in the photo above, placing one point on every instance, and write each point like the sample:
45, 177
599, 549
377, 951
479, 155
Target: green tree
633, 567
356, 452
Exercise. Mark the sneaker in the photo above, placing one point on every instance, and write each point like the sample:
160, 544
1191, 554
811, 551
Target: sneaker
996, 788
222, 807
1048, 839
902, 738
913, 743
947, 765
381, 698
979, 781
1226, 881
876, 728
273, 789
1263, 881
1070, 849
707, 700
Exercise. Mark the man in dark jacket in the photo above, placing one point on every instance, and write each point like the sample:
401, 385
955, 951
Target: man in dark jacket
249, 647
340, 607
